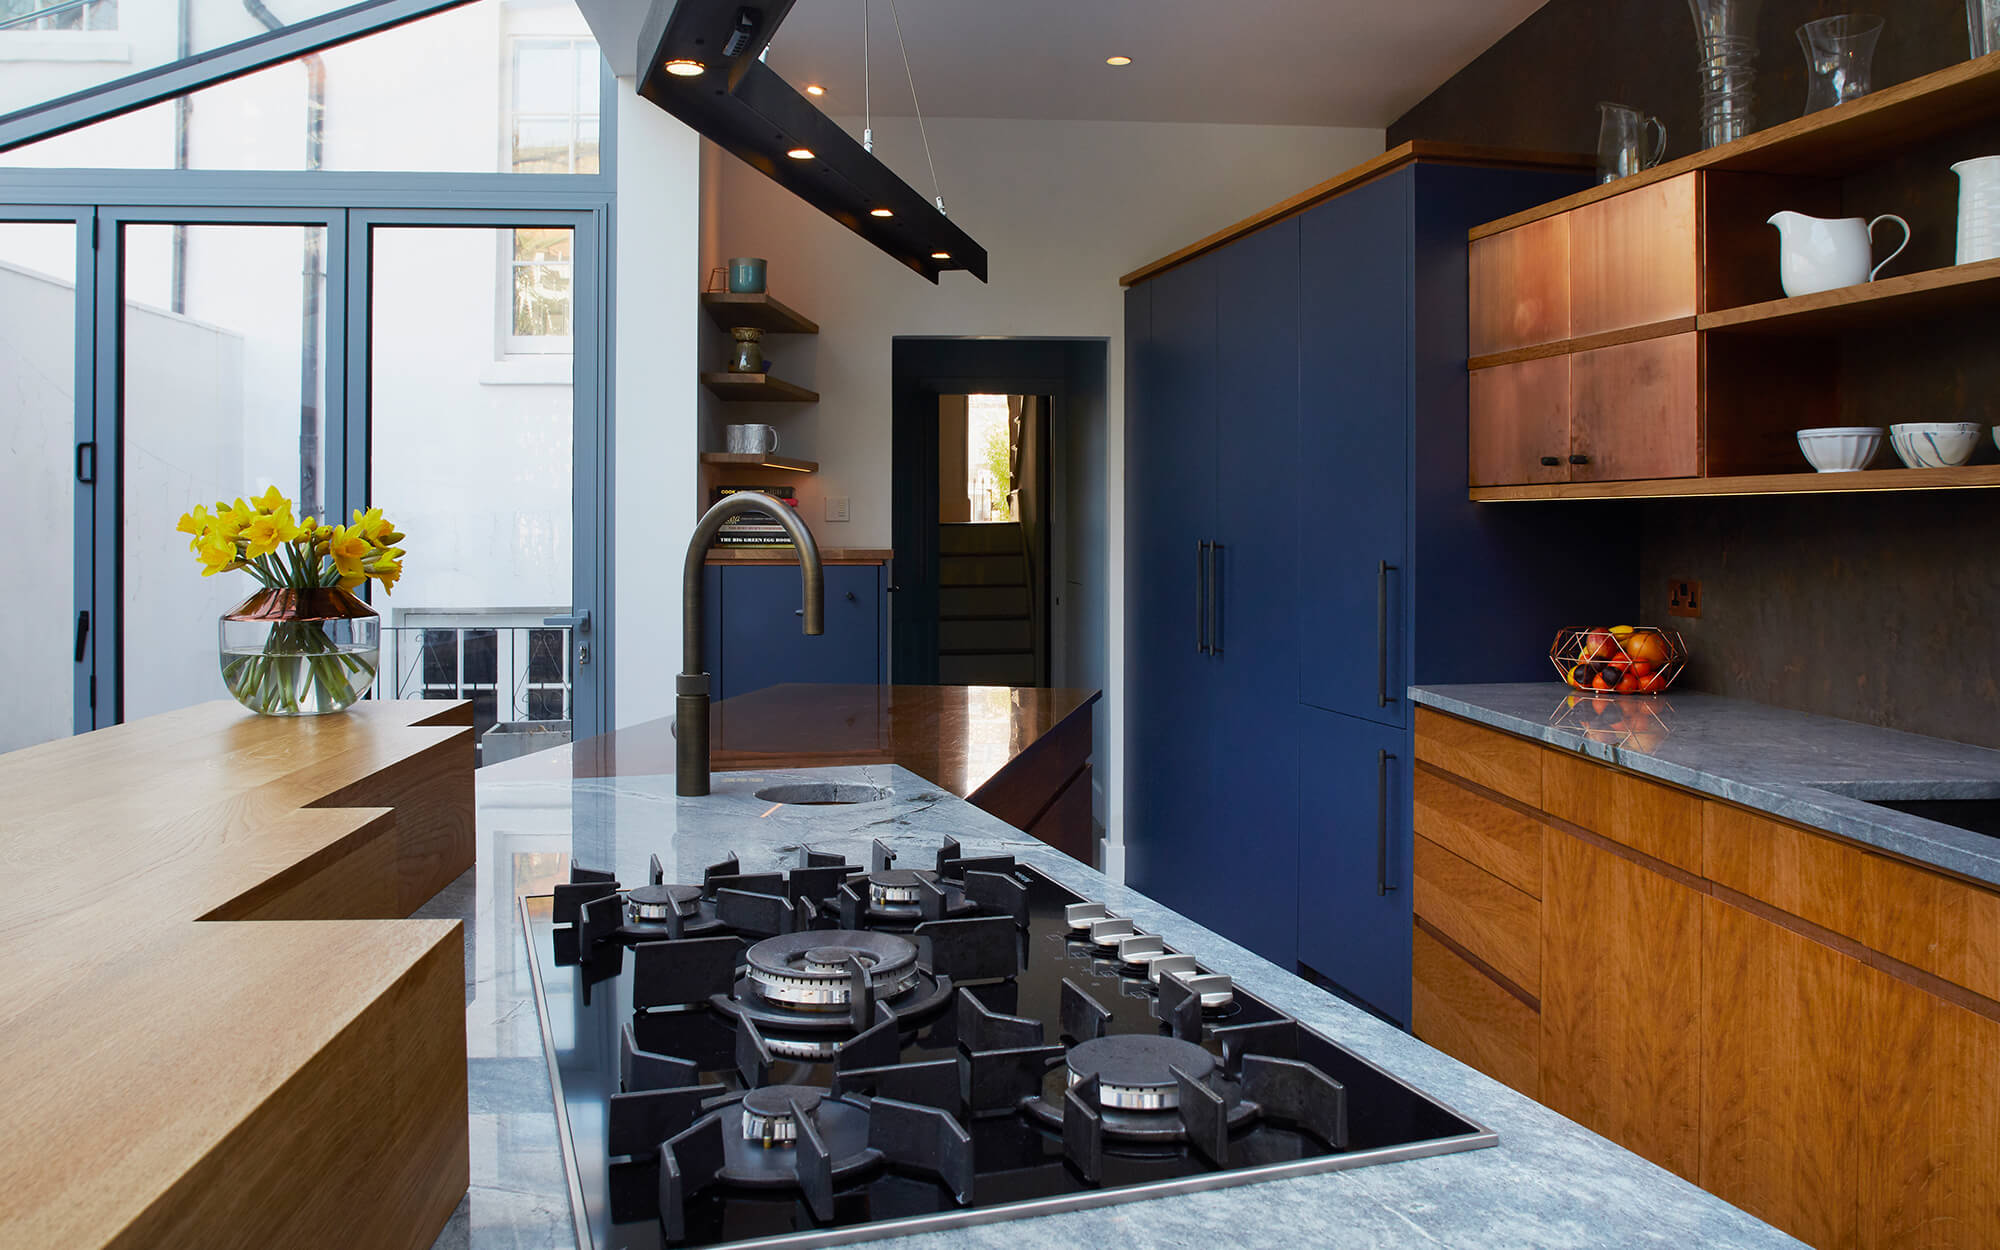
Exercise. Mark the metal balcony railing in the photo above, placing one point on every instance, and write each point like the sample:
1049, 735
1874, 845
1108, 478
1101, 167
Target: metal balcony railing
509, 673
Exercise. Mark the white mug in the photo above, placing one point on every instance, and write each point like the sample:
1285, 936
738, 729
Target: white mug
1823, 254
752, 440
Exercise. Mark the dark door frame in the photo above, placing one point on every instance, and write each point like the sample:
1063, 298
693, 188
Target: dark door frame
925, 369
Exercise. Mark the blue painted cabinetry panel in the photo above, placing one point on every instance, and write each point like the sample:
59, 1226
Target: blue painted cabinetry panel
754, 639
1354, 856
1354, 438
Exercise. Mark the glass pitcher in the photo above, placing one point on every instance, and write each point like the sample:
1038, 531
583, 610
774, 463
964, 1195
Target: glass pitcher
1839, 52
1621, 147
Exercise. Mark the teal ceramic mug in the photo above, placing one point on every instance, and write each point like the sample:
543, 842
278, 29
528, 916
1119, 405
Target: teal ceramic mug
746, 275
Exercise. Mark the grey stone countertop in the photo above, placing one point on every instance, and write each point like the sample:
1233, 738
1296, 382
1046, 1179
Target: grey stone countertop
1548, 1185
1812, 770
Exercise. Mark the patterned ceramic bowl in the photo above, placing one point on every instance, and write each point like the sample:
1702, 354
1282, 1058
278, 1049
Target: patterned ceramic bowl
1841, 448
1935, 444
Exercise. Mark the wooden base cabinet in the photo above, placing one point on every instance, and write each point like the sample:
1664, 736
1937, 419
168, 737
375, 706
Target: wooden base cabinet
1714, 991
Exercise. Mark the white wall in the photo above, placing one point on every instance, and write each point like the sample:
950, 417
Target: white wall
1063, 208
658, 280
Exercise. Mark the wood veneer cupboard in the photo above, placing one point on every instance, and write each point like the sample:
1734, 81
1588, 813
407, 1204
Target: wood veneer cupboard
178, 1079
1802, 1026
1685, 250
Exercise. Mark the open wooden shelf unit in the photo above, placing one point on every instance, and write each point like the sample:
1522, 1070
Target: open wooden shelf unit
748, 460
756, 388
761, 311
1867, 481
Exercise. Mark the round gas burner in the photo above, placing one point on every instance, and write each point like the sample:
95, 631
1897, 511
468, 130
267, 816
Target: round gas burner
1135, 1072
897, 887
656, 903
771, 1113
810, 971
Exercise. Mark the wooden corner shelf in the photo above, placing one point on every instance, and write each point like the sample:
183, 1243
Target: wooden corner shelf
1932, 292
728, 311
756, 388
1867, 481
748, 460
1832, 141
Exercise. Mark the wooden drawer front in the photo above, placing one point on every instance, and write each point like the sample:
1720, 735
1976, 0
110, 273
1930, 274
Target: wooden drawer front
1634, 258
1519, 284
1520, 415
1499, 761
1635, 411
1492, 920
1945, 927
1621, 1001
1503, 841
1648, 817
1469, 1016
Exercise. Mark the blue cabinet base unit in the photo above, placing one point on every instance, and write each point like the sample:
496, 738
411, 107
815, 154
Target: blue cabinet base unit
754, 628
1354, 857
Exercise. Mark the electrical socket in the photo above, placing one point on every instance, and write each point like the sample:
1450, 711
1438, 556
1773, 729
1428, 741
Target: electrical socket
1683, 597
836, 507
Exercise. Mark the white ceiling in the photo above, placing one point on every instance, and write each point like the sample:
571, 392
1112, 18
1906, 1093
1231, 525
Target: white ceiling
1269, 62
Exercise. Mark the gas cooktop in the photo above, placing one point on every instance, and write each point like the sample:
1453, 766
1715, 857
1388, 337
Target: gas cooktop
835, 1053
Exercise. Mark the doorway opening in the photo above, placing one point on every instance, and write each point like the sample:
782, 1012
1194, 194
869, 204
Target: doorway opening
993, 540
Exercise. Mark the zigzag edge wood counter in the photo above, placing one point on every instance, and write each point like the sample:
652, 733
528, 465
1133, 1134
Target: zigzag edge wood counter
216, 1028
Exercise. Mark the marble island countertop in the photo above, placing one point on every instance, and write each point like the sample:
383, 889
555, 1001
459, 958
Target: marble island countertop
1549, 1184
1811, 770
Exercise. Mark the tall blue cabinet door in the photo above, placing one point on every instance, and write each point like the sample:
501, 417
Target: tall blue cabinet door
1255, 592
1169, 513
1354, 856
761, 642
1354, 450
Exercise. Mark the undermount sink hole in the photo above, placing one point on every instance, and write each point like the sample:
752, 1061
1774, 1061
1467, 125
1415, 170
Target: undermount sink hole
1975, 815
823, 794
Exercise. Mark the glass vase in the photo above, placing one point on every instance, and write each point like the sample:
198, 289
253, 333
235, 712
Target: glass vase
300, 652
1839, 51
1726, 33
1982, 20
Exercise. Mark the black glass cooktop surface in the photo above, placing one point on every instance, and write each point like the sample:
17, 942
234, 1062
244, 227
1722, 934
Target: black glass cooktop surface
789, 1058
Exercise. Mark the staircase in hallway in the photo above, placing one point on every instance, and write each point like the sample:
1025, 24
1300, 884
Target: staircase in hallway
986, 631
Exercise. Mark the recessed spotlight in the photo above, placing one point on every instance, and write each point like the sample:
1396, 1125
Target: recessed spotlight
800, 154
880, 212
940, 255
685, 68
813, 88
1117, 60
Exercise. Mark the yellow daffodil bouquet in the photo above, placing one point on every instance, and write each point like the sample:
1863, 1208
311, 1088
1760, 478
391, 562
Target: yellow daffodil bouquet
303, 644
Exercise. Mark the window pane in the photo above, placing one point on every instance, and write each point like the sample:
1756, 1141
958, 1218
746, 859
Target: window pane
586, 146
224, 368
541, 301
477, 474
428, 95
544, 77
542, 244
38, 415
541, 146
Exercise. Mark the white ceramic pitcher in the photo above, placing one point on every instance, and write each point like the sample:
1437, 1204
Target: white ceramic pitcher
1978, 208
1825, 253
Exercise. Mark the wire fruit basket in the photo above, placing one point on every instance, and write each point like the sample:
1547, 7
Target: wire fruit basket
1621, 659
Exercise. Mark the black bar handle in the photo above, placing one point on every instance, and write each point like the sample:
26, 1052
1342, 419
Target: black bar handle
82, 633
1382, 571
1382, 885
1551, 462
1579, 459
1201, 596
1215, 598
86, 463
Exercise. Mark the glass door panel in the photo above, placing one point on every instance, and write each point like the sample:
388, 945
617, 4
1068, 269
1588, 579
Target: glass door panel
223, 394
471, 446
37, 478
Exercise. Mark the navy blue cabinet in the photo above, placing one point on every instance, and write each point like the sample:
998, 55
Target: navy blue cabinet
1354, 857
754, 639
1212, 568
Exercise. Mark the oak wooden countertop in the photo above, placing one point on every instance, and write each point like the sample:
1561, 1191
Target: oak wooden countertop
177, 1081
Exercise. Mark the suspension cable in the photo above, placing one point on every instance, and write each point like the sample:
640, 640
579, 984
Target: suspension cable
921, 131
867, 96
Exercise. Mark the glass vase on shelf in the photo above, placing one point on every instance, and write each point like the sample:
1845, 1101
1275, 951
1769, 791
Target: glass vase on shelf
1982, 20
289, 652
1726, 36
1839, 52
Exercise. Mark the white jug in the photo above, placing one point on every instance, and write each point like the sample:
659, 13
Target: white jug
1978, 209
1823, 254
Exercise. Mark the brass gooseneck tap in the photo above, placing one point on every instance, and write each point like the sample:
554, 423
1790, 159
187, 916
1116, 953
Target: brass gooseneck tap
691, 687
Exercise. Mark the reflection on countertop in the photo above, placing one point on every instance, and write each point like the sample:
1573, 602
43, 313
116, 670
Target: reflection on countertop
1812, 770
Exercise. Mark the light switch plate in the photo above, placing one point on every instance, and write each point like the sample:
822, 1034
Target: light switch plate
836, 507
